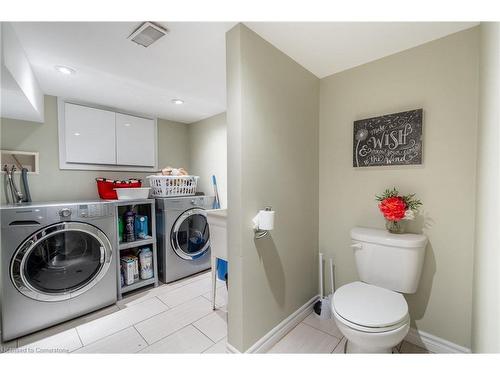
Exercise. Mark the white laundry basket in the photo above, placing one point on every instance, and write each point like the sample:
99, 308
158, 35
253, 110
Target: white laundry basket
172, 186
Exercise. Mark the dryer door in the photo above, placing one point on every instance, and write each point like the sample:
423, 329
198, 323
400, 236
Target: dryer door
61, 261
190, 237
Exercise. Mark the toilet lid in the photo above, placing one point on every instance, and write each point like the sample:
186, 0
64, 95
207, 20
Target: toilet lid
369, 305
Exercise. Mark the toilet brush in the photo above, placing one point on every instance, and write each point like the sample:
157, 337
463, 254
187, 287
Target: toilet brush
317, 305
322, 307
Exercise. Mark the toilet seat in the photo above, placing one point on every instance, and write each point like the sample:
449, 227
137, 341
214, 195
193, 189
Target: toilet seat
369, 308
365, 329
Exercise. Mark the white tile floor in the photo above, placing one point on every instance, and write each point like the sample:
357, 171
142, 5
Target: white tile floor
173, 318
314, 335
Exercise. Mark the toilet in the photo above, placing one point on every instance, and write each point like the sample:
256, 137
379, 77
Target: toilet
372, 313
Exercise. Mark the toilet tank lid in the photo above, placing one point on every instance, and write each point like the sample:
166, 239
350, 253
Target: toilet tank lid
383, 237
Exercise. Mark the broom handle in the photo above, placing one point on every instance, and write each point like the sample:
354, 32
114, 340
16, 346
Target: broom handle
321, 274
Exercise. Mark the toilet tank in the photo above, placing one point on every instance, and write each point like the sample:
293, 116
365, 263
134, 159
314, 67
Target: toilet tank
391, 261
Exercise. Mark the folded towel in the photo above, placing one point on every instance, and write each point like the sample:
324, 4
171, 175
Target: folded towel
170, 171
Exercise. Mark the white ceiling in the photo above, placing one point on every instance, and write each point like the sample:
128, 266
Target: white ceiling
325, 48
189, 62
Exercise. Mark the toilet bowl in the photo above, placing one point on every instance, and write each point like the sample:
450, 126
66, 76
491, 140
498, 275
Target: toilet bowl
372, 313
373, 319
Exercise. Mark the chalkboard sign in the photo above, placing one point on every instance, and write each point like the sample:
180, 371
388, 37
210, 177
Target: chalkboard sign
394, 139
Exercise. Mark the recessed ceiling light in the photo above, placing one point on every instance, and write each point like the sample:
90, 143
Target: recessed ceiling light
66, 70
77, 134
177, 101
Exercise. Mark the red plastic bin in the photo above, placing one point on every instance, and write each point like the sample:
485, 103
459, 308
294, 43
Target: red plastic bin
105, 187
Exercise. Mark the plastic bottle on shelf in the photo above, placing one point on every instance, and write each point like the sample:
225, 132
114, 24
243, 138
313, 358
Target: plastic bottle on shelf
141, 227
146, 263
120, 229
129, 227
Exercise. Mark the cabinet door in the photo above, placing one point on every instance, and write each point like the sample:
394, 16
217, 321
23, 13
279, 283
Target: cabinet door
135, 141
90, 135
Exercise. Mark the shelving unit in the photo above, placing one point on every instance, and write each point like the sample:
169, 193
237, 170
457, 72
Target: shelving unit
138, 284
142, 207
138, 243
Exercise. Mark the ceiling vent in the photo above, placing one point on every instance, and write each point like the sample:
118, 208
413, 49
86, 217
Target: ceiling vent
147, 33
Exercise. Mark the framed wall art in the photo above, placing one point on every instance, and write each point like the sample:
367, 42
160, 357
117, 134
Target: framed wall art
394, 139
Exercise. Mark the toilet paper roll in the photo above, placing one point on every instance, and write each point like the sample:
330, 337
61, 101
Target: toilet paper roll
266, 220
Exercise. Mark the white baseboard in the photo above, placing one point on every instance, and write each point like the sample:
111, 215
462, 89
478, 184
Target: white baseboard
267, 341
433, 343
231, 349
423, 339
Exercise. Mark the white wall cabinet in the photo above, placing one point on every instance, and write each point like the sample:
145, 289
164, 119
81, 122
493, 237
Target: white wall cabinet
102, 139
90, 135
135, 140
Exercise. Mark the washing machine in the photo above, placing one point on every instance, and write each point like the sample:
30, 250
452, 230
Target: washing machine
183, 236
57, 262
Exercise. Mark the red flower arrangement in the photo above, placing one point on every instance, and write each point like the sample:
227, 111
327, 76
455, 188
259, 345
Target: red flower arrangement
393, 208
396, 208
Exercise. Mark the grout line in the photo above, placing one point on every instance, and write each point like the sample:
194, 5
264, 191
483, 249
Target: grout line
210, 298
164, 337
203, 333
216, 304
314, 328
184, 326
189, 280
147, 344
342, 339
319, 329
105, 337
146, 300
222, 339
173, 286
179, 289
189, 300
174, 332
79, 338
163, 302
133, 324
117, 332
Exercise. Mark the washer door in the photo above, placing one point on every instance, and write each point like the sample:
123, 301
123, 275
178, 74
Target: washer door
190, 236
61, 261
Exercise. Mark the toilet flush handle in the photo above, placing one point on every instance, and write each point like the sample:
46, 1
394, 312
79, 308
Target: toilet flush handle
357, 246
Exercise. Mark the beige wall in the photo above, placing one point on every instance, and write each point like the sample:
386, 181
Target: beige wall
173, 144
486, 306
442, 78
55, 184
208, 154
272, 160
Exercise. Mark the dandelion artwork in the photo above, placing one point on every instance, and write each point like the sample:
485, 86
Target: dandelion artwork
394, 139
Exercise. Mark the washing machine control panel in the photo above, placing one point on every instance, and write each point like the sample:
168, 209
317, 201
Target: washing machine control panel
94, 210
65, 212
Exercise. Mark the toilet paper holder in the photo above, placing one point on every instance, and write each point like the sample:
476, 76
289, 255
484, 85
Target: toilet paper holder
263, 222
